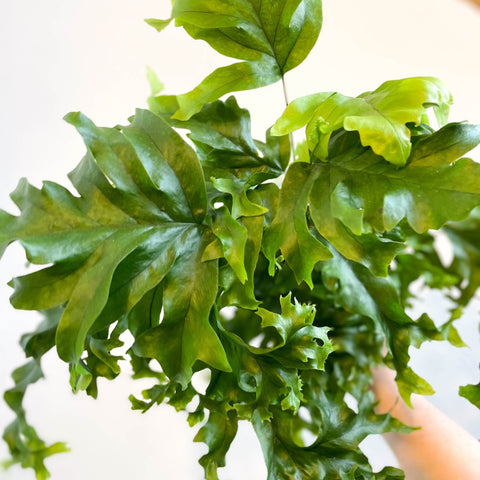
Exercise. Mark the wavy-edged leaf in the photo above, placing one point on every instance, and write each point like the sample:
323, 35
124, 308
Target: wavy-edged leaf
380, 117
270, 372
373, 251
141, 189
233, 237
218, 433
185, 335
271, 38
335, 452
289, 230
302, 344
465, 239
221, 132
236, 293
25, 446
358, 291
378, 196
242, 206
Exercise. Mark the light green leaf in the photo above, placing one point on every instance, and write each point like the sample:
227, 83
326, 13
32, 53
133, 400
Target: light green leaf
241, 205
471, 393
299, 113
293, 317
156, 86
380, 117
271, 38
235, 77
158, 24
236, 293
233, 237
299, 347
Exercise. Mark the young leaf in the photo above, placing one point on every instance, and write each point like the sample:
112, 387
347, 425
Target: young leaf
236, 293
380, 117
158, 24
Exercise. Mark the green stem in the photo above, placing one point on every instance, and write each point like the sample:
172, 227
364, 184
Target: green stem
290, 136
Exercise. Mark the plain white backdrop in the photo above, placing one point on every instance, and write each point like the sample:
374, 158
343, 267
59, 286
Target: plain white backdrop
59, 56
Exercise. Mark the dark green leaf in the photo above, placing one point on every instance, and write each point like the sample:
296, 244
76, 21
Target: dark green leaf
289, 231
335, 452
357, 290
465, 239
39, 342
185, 334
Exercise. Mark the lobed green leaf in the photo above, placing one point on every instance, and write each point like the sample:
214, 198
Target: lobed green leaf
271, 37
380, 117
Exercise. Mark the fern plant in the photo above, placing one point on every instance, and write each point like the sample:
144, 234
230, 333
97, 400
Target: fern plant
281, 269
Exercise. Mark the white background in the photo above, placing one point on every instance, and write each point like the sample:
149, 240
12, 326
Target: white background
63, 55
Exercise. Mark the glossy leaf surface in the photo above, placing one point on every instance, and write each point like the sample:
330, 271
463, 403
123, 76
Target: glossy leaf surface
271, 38
380, 117
280, 280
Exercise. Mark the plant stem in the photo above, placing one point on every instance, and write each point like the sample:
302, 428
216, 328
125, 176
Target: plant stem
285, 93
290, 136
